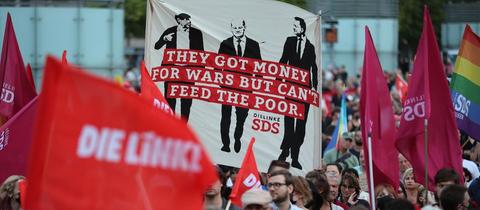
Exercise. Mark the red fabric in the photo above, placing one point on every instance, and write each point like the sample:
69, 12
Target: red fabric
30, 76
15, 141
151, 92
64, 57
100, 146
377, 119
17, 90
430, 101
247, 176
402, 87
22, 187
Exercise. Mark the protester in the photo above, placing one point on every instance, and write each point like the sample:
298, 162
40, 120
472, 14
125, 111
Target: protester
321, 193
277, 165
454, 197
443, 178
280, 186
301, 195
256, 198
342, 156
350, 192
10, 193
411, 188
385, 190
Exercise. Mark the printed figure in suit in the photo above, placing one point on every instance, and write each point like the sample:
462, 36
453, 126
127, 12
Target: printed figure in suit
298, 52
182, 36
237, 45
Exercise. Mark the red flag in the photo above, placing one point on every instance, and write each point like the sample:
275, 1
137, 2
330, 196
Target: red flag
30, 76
430, 101
17, 90
100, 146
377, 118
247, 176
402, 87
15, 141
64, 57
150, 91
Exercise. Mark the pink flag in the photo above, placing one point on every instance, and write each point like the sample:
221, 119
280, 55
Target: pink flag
150, 91
15, 141
430, 101
247, 177
17, 90
377, 118
30, 76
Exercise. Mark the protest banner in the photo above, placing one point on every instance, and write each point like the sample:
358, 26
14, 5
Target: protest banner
99, 146
234, 72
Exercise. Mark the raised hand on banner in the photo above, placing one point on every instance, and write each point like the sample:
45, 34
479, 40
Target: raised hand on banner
169, 37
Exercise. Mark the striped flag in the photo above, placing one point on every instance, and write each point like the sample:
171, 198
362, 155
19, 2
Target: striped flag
465, 85
341, 126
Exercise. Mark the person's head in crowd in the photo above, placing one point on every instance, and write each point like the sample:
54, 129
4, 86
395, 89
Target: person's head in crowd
313, 175
320, 190
213, 196
403, 163
474, 191
333, 170
349, 187
256, 198
346, 142
385, 190
361, 159
383, 202
400, 204
10, 193
408, 180
454, 197
470, 171
277, 165
445, 177
280, 186
358, 134
183, 20
301, 195
351, 172
334, 183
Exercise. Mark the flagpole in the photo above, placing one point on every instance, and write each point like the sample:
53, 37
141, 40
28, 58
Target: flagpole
426, 157
370, 171
229, 203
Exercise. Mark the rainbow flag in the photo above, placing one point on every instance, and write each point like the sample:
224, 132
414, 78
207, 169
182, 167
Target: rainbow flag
341, 126
465, 85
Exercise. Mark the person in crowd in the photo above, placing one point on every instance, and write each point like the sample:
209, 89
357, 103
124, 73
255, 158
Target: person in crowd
334, 183
454, 197
411, 188
357, 142
443, 178
342, 155
383, 202
280, 186
474, 192
242, 46
213, 199
301, 195
400, 204
350, 192
403, 163
277, 165
10, 193
470, 171
321, 193
298, 51
385, 190
256, 199
333, 170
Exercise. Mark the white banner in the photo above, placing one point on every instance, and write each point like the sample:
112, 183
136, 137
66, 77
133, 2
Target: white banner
237, 70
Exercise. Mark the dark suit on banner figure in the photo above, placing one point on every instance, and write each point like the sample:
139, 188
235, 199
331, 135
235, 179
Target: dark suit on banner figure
298, 52
182, 36
237, 45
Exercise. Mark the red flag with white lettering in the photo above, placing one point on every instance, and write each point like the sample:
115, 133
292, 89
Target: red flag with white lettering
151, 91
17, 90
15, 141
429, 98
100, 146
247, 176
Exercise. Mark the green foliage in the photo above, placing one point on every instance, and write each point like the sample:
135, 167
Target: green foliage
135, 18
299, 3
411, 21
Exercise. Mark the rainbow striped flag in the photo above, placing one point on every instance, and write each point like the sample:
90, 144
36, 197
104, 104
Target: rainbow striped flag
465, 85
341, 126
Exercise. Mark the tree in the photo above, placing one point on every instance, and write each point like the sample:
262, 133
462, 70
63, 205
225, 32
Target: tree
411, 22
135, 18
